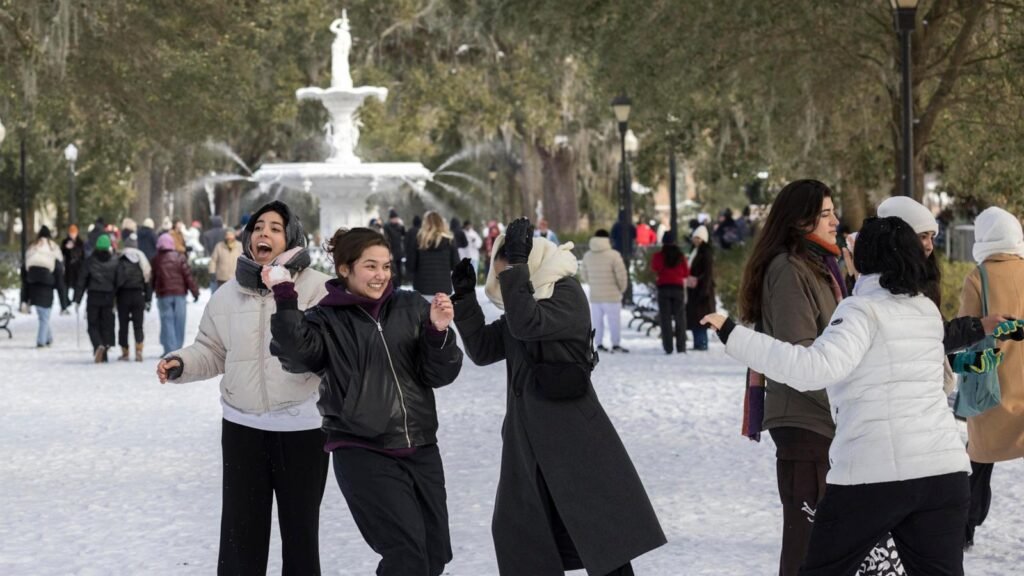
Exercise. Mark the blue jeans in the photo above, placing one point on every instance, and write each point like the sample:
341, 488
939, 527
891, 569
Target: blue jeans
45, 335
172, 322
700, 339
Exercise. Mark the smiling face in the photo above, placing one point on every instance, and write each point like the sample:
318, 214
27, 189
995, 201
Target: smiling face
268, 238
370, 274
827, 222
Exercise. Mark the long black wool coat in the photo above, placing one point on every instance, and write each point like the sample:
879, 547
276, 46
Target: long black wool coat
560, 452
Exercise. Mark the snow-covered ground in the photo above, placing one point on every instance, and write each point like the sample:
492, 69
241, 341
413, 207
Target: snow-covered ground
104, 471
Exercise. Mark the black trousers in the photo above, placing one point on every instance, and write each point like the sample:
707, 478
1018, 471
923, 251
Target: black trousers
258, 466
672, 308
99, 313
981, 497
400, 507
131, 308
926, 517
801, 464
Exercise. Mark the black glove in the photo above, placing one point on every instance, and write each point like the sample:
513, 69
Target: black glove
148, 306
463, 279
195, 298
519, 241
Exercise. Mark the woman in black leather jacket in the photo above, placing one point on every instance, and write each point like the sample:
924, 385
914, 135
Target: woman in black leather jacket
380, 352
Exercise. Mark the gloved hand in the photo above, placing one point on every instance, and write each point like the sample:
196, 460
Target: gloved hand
519, 241
195, 298
977, 362
1010, 330
463, 279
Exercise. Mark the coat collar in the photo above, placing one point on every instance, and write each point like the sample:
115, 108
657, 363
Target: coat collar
869, 284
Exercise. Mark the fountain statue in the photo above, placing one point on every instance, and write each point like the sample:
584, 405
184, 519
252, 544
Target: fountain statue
343, 182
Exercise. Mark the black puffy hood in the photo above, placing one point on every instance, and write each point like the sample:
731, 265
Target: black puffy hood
294, 234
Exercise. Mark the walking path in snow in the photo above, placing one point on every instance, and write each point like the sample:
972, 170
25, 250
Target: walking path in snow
107, 472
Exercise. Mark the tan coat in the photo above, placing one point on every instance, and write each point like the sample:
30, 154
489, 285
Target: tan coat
998, 434
224, 260
604, 270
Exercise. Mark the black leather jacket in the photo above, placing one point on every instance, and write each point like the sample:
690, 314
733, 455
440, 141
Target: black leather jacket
377, 378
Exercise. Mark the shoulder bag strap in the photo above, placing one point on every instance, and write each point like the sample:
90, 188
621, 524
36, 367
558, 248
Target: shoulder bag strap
984, 289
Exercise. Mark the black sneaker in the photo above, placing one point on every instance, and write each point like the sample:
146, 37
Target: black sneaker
601, 348
620, 349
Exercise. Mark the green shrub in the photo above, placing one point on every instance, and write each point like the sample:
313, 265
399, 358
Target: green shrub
953, 274
200, 271
728, 274
10, 277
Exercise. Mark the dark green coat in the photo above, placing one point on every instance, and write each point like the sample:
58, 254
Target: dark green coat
567, 448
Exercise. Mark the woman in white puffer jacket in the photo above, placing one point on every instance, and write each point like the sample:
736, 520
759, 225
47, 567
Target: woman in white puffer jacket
897, 462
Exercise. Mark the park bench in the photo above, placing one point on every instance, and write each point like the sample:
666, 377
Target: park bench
6, 315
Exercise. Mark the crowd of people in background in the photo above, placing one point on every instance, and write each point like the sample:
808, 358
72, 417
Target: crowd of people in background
816, 302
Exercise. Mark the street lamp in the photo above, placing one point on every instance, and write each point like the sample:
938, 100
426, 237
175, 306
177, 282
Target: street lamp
492, 177
71, 155
622, 105
905, 19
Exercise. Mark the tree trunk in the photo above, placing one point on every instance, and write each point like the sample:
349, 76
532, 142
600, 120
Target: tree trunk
854, 203
559, 187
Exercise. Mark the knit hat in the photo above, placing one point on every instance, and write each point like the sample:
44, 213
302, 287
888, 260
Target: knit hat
392, 213
911, 212
131, 240
165, 243
701, 232
148, 222
103, 243
128, 224
996, 231
44, 232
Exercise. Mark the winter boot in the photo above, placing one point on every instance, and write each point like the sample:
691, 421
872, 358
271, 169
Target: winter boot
620, 349
124, 354
100, 354
138, 352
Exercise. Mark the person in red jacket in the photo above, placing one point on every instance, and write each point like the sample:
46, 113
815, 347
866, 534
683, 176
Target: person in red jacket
172, 280
671, 267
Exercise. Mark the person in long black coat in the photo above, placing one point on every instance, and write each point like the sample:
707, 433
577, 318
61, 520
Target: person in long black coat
73, 250
700, 288
568, 495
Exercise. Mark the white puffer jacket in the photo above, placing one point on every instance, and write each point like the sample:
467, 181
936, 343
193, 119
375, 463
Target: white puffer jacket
234, 340
881, 361
604, 271
43, 253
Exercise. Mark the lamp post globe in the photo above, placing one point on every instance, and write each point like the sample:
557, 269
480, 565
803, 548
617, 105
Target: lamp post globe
71, 155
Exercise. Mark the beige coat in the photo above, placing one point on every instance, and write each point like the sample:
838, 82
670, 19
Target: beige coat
234, 340
998, 434
604, 270
224, 259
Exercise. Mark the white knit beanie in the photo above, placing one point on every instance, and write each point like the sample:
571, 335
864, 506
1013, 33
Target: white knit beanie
701, 232
911, 212
996, 231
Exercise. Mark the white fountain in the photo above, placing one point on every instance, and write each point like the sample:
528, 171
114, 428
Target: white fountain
343, 182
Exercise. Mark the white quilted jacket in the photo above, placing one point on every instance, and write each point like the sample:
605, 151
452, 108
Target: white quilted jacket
881, 362
234, 340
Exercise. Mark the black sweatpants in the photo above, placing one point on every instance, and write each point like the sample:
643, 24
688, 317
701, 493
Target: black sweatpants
801, 465
672, 308
926, 517
981, 497
99, 314
131, 308
257, 466
400, 506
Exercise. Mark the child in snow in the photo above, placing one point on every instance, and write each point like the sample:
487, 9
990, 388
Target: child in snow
897, 462
380, 352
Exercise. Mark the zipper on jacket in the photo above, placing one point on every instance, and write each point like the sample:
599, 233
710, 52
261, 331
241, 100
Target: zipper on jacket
401, 395
263, 376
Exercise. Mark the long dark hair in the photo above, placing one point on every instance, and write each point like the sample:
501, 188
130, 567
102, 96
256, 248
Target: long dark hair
933, 288
671, 255
793, 214
889, 247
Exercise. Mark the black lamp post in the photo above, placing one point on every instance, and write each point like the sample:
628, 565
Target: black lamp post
905, 18
622, 106
71, 155
492, 177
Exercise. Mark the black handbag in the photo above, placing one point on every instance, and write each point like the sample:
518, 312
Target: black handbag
566, 380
